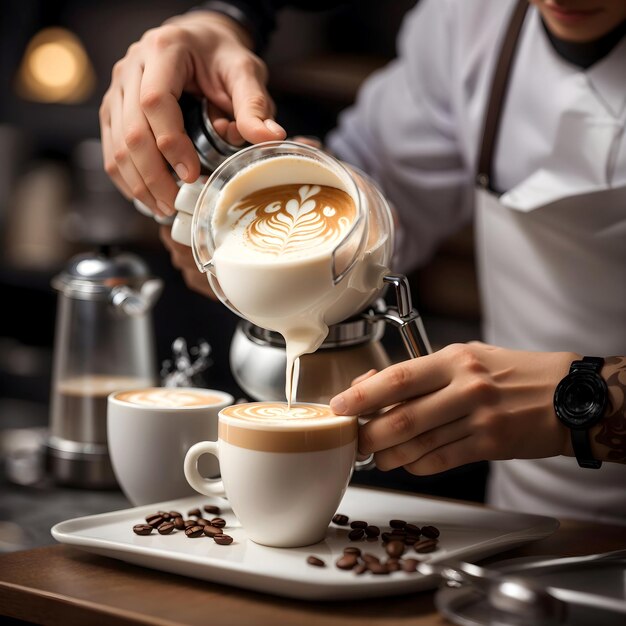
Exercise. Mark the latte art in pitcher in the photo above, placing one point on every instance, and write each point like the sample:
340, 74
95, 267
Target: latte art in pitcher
294, 219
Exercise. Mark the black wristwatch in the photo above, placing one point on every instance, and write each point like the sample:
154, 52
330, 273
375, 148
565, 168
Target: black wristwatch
580, 401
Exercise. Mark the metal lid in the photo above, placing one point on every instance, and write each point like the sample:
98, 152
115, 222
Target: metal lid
91, 274
360, 329
211, 148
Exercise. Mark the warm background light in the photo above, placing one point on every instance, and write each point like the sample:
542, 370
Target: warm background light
55, 68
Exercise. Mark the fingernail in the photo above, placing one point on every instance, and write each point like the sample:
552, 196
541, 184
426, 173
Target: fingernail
181, 171
274, 128
364, 376
338, 405
168, 210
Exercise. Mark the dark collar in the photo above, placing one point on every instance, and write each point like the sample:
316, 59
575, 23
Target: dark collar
585, 54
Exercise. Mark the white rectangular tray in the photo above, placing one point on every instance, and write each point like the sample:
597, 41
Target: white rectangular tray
467, 533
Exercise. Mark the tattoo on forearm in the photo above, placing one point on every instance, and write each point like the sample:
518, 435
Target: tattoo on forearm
612, 433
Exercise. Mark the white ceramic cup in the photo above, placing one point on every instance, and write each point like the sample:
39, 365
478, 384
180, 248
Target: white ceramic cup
283, 478
149, 434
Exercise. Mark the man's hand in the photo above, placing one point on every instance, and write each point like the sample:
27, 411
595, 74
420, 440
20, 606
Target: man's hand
141, 123
465, 403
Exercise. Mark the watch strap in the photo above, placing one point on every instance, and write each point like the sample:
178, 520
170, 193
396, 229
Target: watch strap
589, 363
582, 450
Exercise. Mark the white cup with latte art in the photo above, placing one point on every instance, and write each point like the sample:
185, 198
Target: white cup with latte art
283, 469
149, 431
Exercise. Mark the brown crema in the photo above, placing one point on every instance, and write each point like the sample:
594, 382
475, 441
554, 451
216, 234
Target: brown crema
273, 427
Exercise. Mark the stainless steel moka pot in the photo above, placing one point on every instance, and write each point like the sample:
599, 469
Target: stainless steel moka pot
104, 342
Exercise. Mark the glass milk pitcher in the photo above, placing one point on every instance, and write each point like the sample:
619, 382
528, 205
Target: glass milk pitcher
351, 278
357, 270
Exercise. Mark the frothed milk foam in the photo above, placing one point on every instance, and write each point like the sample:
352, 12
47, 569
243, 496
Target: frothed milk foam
279, 413
276, 225
278, 427
168, 398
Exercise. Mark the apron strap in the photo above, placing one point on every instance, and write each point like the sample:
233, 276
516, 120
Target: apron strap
498, 93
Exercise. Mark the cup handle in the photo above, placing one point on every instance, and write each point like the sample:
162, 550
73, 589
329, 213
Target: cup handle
205, 486
366, 464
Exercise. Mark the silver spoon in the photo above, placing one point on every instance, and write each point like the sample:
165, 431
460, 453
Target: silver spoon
467, 573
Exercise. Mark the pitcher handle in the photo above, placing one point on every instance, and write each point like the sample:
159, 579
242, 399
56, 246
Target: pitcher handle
405, 317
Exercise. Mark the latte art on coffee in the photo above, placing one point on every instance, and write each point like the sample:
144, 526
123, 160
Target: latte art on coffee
278, 427
278, 412
163, 397
289, 219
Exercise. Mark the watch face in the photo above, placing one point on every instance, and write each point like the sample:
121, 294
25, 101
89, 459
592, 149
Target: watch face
580, 399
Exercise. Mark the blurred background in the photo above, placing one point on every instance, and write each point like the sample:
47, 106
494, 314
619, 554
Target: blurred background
56, 200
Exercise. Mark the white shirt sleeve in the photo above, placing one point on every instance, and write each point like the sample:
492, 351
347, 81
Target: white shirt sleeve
403, 132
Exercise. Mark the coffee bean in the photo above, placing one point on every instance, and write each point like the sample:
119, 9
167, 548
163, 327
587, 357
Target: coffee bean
361, 568
393, 565
142, 529
378, 569
223, 540
386, 537
430, 532
202, 522
358, 524
370, 558
190, 522
175, 514
395, 548
165, 515
179, 523
409, 540
211, 531
194, 513
154, 520
371, 539
409, 565
212, 509
313, 560
372, 531
398, 532
356, 534
352, 550
425, 545
413, 529
347, 561
165, 528
397, 523
218, 522
340, 520
194, 531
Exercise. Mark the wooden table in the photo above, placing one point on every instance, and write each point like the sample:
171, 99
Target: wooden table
59, 585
